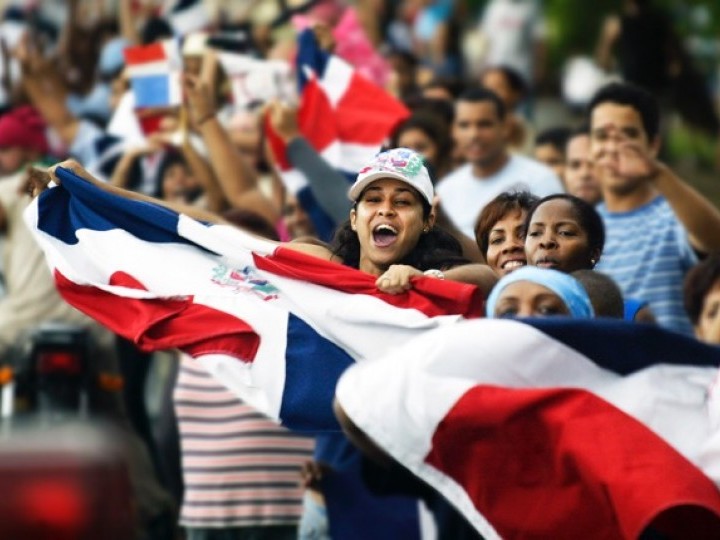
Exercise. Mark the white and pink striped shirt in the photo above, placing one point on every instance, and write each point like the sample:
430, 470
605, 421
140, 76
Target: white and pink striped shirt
239, 467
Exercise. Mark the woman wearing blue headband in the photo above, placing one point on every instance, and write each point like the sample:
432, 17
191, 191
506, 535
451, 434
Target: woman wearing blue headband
538, 292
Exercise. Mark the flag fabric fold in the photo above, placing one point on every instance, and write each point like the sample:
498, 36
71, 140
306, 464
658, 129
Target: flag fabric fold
531, 438
345, 117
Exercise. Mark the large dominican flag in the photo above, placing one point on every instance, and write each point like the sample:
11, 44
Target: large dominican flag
553, 429
259, 317
344, 116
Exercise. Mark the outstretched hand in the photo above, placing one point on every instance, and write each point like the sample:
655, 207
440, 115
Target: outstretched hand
36, 181
312, 473
631, 161
634, 162
324, 36
283, 119
199, 99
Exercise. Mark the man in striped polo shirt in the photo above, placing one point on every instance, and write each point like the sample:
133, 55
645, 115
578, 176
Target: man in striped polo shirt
655, 223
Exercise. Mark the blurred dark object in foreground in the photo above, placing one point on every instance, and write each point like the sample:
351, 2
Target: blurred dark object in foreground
68, 482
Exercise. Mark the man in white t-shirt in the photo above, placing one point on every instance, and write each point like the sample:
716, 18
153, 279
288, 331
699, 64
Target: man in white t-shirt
515, 33
479, 131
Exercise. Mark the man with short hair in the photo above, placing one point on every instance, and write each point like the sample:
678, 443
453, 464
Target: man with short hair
579, 176
655, 223
479, 131
550, 148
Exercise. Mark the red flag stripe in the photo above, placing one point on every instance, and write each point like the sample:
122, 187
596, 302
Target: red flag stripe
430, 296
156, 324
154, 52
576, 465
367, 114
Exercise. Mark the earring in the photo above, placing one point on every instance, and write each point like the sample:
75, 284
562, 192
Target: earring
593, 261
426, 230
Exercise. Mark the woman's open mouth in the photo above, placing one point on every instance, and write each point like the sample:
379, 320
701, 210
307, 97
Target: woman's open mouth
384, 235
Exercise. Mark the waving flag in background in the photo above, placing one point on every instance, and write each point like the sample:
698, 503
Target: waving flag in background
344, 116
154, 71
562, 430
254, 81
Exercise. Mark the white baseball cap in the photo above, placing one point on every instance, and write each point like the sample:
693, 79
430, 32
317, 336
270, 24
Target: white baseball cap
399, 163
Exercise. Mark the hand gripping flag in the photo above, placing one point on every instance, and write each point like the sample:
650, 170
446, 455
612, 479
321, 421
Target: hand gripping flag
553, 429
343, 115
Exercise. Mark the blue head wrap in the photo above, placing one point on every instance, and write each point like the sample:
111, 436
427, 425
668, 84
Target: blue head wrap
564, 285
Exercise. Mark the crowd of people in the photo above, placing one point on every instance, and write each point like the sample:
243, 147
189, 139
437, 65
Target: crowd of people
580, 221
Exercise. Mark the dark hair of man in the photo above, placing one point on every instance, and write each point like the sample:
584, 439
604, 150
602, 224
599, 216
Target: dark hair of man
502, 205
555, 136
482, 95
604, 293
698, 281
588, 218
582, 130
633, 96
453, 85
435, 248
513, 78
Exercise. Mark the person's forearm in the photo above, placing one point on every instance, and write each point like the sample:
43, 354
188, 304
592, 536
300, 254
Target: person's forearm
329, 187
121, 172
698, 215
190, 211
236, 178
48, 97
471, 251
216, 201
128, 30
474, 274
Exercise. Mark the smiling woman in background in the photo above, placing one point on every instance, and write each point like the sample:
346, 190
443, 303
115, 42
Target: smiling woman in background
564, 233
500, 231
